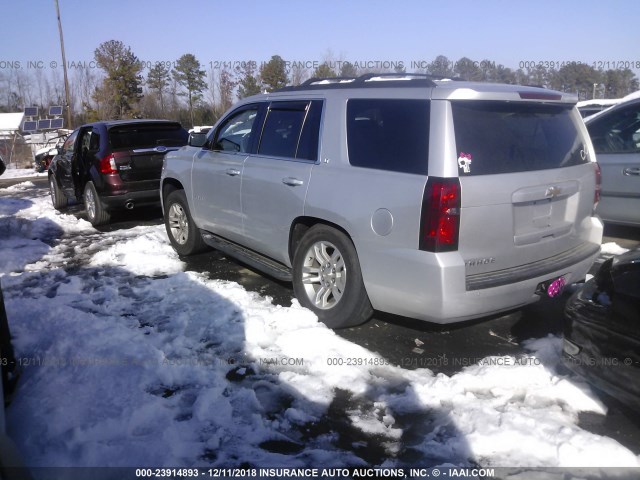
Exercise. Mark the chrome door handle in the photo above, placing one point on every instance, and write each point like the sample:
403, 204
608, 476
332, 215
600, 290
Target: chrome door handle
232, 172
294, 182
631, 171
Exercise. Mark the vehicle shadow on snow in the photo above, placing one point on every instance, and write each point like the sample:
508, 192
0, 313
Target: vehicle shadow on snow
122, 369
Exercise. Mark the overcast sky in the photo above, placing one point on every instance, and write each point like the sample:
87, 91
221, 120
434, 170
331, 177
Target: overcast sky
358, 31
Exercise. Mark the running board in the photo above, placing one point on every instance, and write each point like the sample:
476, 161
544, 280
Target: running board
250, 257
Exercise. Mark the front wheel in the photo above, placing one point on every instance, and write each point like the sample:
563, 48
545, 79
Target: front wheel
183, 233
96, 213
58, 198
327, 278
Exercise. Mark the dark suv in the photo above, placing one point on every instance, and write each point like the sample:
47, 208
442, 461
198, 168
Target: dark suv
113, 165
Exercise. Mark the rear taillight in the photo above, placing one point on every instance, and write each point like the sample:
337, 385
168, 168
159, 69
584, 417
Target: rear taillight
596, 198
440, 222
108, 164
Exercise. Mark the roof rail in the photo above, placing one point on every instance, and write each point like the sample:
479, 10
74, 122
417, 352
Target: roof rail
369, 80
327, 80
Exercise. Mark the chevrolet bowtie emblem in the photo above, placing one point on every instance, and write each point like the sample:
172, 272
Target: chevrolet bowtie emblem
553, 192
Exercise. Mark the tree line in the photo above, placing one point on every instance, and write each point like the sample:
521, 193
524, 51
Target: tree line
184, 90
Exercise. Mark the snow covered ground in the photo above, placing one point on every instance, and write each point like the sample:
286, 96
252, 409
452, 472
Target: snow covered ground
11, 172
129, 360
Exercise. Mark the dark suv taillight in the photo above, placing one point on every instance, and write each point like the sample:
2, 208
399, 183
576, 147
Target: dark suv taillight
440, 220
108, 164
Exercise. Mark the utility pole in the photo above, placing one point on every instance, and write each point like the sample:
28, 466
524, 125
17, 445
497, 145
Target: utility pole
64, 67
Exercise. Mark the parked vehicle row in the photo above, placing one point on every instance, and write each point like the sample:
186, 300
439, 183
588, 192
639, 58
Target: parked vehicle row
433, 199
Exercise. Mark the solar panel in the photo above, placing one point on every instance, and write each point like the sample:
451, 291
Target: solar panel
57, 123
29, 126
55, 111
44, 124
31, 111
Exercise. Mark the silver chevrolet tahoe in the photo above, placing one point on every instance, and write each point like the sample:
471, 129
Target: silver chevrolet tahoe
429, 198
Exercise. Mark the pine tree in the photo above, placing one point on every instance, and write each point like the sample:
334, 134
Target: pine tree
158, 81
121, 88
248, 83
273, 74
188, 74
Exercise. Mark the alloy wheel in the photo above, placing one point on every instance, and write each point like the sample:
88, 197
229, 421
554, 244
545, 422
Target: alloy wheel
178, 223
324, 275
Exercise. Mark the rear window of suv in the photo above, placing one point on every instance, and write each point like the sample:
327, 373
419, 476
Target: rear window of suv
389, 134
505, 137
145, 136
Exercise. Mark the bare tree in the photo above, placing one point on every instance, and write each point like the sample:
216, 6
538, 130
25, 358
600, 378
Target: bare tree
298, 73
226, 85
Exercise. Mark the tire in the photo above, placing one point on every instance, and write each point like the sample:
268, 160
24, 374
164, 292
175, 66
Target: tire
58, 198
327, 278
96, 213
183, 233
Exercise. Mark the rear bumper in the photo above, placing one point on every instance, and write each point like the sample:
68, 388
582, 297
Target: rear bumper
138, 199
433, 287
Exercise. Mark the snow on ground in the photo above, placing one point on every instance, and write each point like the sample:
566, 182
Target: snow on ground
129, 360
11, 172
612, 248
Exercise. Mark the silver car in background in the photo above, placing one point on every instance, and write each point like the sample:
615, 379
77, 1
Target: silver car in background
615, 134
428, 198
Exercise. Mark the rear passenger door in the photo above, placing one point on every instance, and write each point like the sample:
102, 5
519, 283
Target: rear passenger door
276, 179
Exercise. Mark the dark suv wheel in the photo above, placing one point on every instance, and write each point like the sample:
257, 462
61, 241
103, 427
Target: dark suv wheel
327, 278
183, 233
58, 198
96, 213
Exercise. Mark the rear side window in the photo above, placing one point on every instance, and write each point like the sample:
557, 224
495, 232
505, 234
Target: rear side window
506, 137
145, 136
291, 130
389, 134
68, 143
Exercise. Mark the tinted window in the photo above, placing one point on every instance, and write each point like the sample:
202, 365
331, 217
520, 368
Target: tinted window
68, 143
617, 132
389, 134
234, 135
94, 143
292, 130
309, 140
503, 137
282, 129
147, 135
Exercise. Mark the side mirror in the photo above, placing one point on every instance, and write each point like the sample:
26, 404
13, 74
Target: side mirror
197, 139
53, 152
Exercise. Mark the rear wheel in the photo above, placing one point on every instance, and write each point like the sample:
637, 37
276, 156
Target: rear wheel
327, 278
58, 198
96, 213
183, 233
